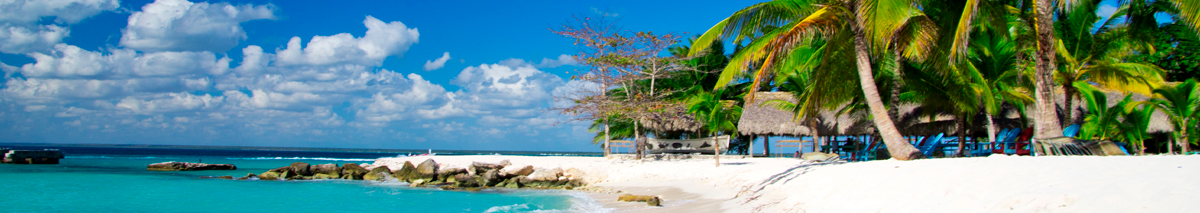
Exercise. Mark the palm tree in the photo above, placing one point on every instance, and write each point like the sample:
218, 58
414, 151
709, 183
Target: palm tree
1099, 56
864, 22
1182, 104
1101, 121
718, 115
994, 57
1136, 122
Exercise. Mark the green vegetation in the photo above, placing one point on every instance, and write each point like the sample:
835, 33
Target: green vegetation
973, 63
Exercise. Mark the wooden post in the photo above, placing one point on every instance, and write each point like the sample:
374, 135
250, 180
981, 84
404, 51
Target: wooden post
750, 146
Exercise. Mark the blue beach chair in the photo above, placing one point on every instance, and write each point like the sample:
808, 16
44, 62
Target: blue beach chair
931, 144
1071, 131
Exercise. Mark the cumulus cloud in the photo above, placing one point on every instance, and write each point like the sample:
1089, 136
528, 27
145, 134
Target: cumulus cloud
65, 11
70, 62
180, 25
170, 102
437, 63
382, 40
418, 95
19, 39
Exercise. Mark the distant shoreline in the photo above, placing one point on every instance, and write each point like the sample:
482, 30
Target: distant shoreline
291, 149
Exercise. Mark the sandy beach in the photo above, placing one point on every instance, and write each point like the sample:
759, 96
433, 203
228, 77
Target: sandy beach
997, 183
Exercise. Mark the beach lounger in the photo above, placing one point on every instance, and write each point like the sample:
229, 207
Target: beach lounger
931, 144
687, 146
1071, 131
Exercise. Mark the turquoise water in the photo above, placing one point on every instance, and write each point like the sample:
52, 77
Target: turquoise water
107, 182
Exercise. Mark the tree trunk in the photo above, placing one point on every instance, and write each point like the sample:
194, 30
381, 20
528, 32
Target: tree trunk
898, 148
816, 136
991, 127
766, 146
962, 137
637, 144
717, 150
1046, 124
897, 77
1171, 147
1069, 92
607, 149
1183, 141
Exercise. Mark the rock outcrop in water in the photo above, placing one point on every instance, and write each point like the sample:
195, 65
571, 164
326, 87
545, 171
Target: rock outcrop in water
186, 166
430, 174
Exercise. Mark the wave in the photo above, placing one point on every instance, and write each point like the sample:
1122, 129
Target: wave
120, 157
305, 158
580, 202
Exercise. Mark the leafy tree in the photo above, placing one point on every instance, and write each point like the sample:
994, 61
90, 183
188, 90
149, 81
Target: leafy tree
1182, 104
864, 22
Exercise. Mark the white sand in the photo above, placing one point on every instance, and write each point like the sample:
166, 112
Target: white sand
992, 184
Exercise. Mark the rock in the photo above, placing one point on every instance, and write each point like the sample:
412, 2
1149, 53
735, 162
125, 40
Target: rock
405, 171
417, 183
269, 175
428, 169
513, 171
248, 176
378, 174
329, 169
505, 163
491, 177
448, 173
546, 174
186, 166
465, 180
573, 173
226, 177
650, 200
322, 176
352, 171
481, 167
301, 169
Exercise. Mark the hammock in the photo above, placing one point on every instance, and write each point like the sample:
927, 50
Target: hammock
688, 146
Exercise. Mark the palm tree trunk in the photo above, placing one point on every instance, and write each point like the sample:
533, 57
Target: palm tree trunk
1069, 91
897, 77
717, 150
991, 126
816, 135
1183, 141
1046, 123
899, 149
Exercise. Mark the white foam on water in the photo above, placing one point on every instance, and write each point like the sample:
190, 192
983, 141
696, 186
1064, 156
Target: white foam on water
107, 157
305, 158
508, 208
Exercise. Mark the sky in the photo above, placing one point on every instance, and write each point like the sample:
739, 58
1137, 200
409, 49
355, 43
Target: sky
462, 75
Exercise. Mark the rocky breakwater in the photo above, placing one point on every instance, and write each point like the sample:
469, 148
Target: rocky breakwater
429, 173
186, 166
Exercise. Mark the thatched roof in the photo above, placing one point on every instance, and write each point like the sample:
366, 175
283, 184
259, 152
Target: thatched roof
671, 119
1159, 122
760, 119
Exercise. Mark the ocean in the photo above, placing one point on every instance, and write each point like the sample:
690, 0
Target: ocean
114, 179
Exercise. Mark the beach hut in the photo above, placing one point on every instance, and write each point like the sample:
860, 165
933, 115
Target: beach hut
759, 119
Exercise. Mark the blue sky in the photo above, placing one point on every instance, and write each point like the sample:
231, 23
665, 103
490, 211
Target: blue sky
353, 74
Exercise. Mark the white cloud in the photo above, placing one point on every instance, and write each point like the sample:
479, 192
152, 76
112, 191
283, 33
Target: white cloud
512, 85
36, 89
68, 61
562, 60
170, 102
382, 40
65, 11
19, 39
180, 25
421, 94
437, 63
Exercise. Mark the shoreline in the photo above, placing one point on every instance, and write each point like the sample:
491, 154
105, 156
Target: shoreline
982, 184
